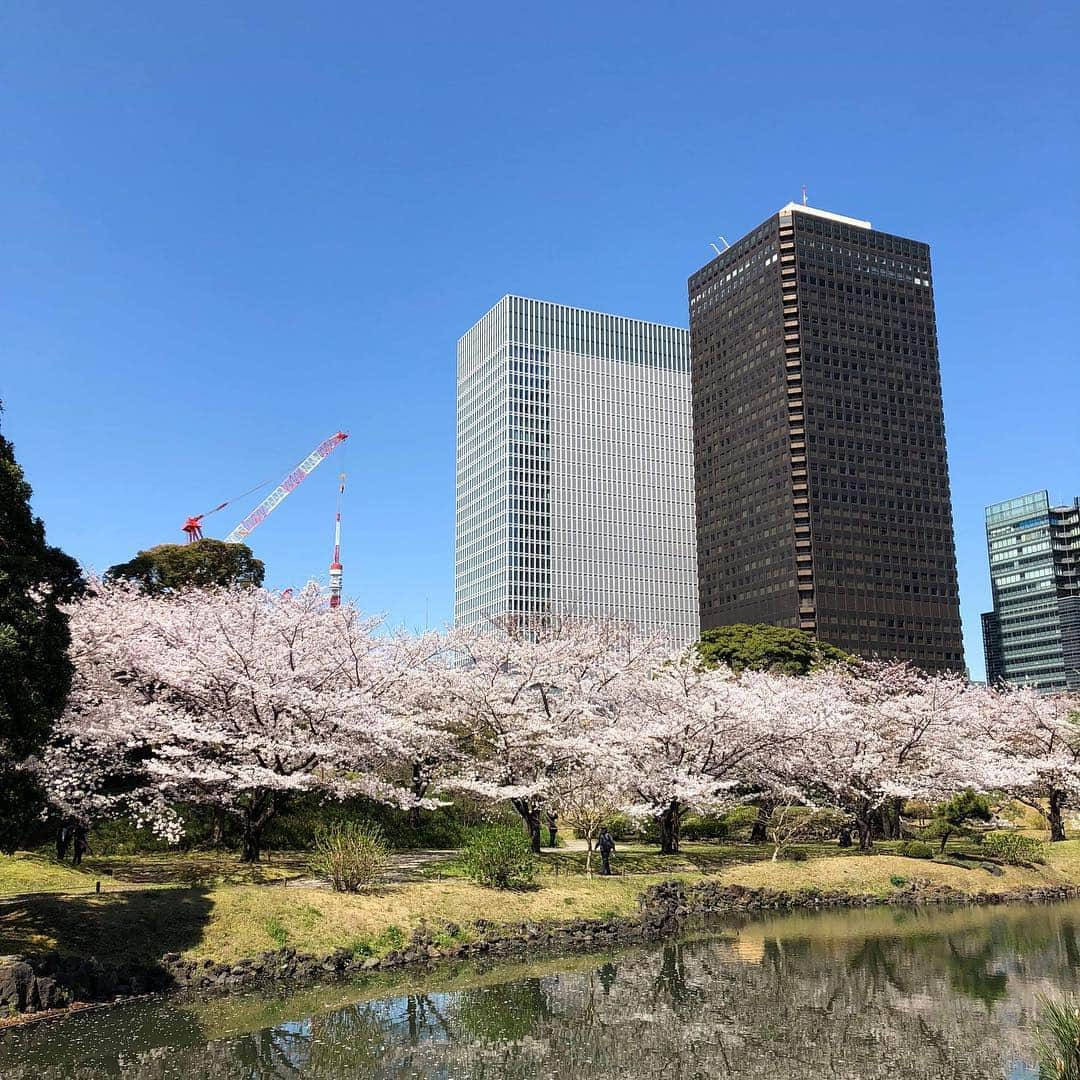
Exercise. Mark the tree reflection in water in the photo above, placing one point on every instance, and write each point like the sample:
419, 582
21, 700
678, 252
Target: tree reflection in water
948, 994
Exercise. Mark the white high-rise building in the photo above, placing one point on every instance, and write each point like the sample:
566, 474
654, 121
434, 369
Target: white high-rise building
575, 481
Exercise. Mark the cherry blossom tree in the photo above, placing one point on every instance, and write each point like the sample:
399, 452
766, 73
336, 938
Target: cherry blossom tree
526, 697
1033, 742
231, 698
887, 732
699, 740
586, 793
413, 690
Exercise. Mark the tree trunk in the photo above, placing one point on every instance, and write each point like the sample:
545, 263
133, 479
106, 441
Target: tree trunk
260, 810
217, 826
670, 821
759, 833
890, 819
252, 842
863, 825
419, 787
944, 840
1057, 825
531, 816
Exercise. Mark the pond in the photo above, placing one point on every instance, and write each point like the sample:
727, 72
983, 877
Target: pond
910, 993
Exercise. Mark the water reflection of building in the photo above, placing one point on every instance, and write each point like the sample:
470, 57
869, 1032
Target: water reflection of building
871, 994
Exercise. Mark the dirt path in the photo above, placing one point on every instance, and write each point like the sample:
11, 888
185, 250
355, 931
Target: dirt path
405, 866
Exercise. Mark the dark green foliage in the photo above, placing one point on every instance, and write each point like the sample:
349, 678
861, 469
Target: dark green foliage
735, 824
120, 836
957, 815
625, 829
295, 827
1057, 1037
767, 648
898, 881
499, 856
204, 564
35, 672
916, 849
1014, 849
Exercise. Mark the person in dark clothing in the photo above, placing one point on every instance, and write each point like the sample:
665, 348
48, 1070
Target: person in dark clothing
606, 844
81, 844
63, 841
553, 826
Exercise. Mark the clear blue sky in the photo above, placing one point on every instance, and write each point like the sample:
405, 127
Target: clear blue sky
229, 230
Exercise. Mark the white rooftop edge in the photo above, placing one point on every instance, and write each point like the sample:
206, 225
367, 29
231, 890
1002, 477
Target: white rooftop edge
858, 222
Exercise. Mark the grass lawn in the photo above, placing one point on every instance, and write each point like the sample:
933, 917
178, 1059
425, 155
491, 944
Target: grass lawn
34, 872
228, 921
27, 872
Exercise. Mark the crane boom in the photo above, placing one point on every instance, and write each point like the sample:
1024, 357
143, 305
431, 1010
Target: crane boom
290, 483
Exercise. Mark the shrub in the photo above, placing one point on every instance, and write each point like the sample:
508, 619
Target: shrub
499, 856
795, 854
352, 854
916, 849
1057, 1037
898, 881
624, 828
1014, 849
733, 824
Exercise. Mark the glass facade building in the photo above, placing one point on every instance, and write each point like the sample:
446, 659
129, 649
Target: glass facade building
822, 482
574, 469
1032, 637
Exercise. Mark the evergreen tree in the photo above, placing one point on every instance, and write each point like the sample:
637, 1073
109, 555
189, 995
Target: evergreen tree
778, 649
35, 672
203, 564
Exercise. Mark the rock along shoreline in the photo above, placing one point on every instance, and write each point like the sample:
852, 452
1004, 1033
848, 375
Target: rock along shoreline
51, 986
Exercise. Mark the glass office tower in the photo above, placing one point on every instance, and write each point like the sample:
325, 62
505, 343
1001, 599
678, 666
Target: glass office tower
574, 469
1032, 637
819, 439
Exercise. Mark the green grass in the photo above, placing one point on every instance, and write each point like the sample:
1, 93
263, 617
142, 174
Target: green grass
226, 922
1057, 1036
34, 872
27, 872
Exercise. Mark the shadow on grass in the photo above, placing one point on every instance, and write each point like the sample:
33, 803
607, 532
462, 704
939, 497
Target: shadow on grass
199, 868
129, 929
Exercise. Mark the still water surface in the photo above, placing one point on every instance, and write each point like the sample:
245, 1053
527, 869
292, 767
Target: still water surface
935, 994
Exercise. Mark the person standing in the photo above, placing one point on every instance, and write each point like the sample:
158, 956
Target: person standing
606, 844
63, 840
553, 827
81, 844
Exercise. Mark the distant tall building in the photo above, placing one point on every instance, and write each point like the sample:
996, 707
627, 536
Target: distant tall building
574, 469
1032, 637
819, 439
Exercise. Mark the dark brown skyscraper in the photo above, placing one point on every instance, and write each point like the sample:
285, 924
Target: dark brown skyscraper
821, 479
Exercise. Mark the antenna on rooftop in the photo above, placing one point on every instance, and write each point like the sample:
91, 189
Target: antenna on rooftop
804, 194
716, 249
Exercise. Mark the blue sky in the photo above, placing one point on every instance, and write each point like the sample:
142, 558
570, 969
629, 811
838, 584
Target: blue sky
229, 230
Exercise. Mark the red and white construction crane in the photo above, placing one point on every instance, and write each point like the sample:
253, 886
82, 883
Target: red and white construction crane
193, 525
